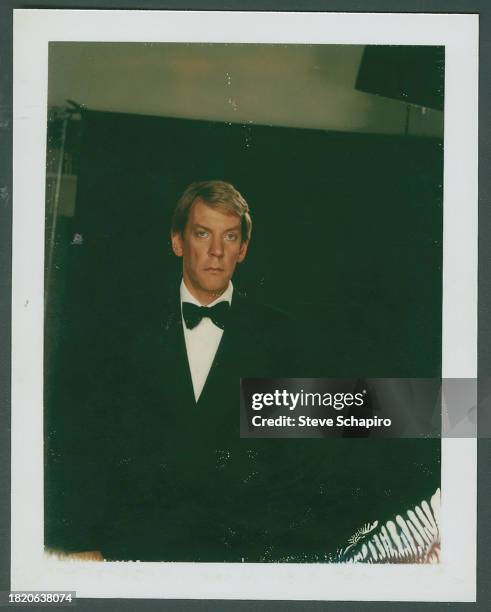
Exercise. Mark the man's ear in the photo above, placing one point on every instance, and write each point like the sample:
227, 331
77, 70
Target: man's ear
177, 246
243, 251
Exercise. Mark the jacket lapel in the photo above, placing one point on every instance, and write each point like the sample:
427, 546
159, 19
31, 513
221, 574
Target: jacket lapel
173, 355
228, 353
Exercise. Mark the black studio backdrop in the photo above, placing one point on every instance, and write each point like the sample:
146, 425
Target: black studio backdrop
347, 231
347, 237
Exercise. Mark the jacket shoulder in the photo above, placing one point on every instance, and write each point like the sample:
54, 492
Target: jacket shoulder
259, 312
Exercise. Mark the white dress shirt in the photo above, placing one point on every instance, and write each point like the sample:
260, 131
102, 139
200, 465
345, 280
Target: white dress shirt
202, 341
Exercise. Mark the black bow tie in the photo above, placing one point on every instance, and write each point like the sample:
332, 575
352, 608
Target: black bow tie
193, 314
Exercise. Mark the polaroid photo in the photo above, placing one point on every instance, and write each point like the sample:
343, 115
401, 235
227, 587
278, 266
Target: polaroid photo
205, 197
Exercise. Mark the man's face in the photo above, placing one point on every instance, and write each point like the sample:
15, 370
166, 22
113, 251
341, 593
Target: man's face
210, 247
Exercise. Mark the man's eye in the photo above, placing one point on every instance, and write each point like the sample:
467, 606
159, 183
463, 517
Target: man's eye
201, 233
231, 237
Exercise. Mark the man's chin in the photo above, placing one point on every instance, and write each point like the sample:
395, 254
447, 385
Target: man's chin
205, 287
215, 288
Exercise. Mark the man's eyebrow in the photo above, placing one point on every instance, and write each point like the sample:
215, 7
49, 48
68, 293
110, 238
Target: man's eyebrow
230, 229
198, 225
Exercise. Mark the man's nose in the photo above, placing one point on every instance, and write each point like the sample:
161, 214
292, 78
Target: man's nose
216, 246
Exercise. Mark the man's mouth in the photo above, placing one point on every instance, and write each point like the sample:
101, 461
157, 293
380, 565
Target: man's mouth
213, 269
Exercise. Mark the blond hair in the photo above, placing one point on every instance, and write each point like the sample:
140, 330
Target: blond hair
215, 194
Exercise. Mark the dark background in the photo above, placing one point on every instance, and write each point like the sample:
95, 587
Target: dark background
346, 236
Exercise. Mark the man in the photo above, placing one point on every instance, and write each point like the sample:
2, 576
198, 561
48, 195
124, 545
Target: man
211, 231
178, 482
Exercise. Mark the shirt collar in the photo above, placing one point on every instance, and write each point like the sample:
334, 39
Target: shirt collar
186, 295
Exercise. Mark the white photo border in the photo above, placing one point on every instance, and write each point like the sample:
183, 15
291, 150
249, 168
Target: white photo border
454, 579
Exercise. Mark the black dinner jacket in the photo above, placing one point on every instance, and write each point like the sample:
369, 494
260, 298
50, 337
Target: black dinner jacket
139, 470
258, 341
171, 461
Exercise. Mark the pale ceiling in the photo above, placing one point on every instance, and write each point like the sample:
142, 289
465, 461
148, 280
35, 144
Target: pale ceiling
309, 86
